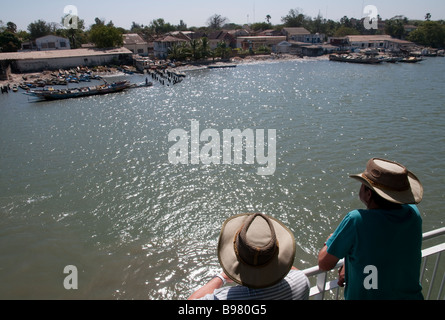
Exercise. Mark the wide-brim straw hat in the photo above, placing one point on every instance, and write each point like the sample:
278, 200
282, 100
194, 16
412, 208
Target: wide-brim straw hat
255, 250
392, 181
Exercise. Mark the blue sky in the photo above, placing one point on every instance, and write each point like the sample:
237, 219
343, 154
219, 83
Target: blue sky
196, 12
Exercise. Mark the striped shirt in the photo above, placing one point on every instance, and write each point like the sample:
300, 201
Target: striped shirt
295, 286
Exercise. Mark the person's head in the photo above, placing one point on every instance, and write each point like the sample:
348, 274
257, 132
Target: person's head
386, 184
255, 250
373, 201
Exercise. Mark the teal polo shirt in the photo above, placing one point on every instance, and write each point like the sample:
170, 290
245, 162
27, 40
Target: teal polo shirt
382, 251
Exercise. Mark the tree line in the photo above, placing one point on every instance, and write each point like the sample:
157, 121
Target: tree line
105, 35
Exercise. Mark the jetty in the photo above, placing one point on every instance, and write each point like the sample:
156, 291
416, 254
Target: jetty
166, 77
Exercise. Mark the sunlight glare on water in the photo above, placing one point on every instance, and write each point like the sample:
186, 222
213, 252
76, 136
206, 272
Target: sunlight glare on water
87, 182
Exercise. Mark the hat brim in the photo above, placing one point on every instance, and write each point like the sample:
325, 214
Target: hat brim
413, 195
249, 276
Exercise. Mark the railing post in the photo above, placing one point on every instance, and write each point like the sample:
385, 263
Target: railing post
321, 283
433, 276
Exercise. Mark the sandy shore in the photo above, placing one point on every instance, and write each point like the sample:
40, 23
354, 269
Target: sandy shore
254, 60
17, 79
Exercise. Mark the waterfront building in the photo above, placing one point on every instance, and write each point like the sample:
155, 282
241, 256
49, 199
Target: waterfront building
163, 44
137, 45
255, 42
47, 43
359, 42
36, 61
221, 36
302, 35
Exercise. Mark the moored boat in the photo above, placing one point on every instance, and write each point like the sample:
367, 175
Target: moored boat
354, 59
393, 59
411, 60
221, 66
51, 94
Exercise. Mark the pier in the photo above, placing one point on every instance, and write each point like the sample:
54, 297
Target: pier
166, 77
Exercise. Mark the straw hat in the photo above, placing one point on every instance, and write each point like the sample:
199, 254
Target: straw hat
255, 250
391, 181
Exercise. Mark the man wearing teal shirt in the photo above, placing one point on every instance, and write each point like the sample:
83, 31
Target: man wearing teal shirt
382, 244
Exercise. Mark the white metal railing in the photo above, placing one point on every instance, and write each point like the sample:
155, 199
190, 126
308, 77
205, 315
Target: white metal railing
326, 282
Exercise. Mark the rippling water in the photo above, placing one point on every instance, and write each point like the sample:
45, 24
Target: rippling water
87, 182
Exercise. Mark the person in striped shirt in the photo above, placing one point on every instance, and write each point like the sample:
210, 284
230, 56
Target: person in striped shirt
256, 253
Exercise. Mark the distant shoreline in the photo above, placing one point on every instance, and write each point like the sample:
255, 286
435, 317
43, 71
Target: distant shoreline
17, 78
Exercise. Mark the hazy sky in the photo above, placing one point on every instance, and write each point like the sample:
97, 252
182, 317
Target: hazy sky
196, 12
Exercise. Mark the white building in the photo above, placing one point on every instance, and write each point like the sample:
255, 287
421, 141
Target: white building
52, 43
302, 35
36, 61
135, 43
387, 42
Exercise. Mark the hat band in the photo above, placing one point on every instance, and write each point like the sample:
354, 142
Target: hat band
382, 186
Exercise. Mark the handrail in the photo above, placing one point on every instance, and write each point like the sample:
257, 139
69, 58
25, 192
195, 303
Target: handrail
324, 285
434, 233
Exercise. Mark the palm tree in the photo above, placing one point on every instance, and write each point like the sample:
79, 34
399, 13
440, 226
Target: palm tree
195, 54
173, 52
268, 17
178, 52
204, 47
222, 50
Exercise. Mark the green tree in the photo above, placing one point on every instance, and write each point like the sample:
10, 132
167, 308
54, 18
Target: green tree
204, 48
222, 50
395, 28
345, 31
39, 29
105, 36
159, 26
259, 26
216, 21
179, 52
182, 26
194, 49
263, 50
144, 31
346, 22
429, 33
11, 27
293, 19
9, 42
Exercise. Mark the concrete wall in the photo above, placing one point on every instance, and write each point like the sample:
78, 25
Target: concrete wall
5, 70
37, 65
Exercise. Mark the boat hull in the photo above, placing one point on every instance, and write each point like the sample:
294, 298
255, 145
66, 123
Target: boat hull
80, 92
350, 59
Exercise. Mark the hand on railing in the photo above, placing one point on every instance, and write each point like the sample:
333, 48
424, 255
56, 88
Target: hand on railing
341, 276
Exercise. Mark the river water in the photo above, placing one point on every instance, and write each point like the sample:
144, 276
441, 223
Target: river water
88, 182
